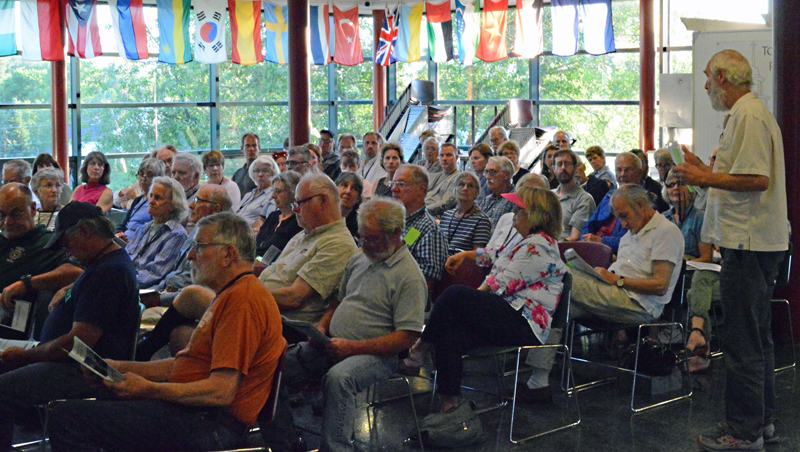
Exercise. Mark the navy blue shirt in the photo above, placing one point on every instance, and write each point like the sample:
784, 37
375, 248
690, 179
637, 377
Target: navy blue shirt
105, 296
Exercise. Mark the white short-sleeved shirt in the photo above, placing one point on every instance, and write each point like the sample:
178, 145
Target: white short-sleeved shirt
751, 144
658, 240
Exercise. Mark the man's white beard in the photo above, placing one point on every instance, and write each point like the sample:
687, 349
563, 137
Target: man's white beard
717, 97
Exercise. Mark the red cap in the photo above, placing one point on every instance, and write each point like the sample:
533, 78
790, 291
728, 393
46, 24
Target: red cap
515, 199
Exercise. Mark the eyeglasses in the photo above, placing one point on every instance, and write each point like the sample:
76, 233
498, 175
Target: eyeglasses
199, 246
663, 165
196, 200
673, 185
298, 204
399, 184
262, 172
214, 165
491, 172
294, 164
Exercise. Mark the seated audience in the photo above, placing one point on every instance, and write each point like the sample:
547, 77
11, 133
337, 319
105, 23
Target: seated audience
603, 226
350, 165
650, 184
126, 196
547, 165
316, 158
330, 158
46, 160
300, 159
640, 282
499, 171
18, 171
350, 190
478, 158
563, 140
504, 234
663, 164
704, 283
466, 227
28, 271
430, 150
138, 214
155, 247
391, 159
510, 150
439, 197
371, 170
497, 136
576, 205
208, 396
102, 315
597, 158
280, 157
214, 167
251, 148
513, 306
47, 184
346, 141
422, 234
186, 169
378, 313
594, 186
258, 203
280, 225
95, 175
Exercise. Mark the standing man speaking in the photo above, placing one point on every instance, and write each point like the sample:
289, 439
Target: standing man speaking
746, 217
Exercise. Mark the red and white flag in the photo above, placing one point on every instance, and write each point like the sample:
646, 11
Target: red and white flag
40, 27
84, 35
528, 42
348, 42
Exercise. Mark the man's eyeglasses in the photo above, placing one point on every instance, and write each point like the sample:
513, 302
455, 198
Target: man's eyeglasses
297, 204
399, 184
199, 246
663, 165
196, 200
294, 164
673, 184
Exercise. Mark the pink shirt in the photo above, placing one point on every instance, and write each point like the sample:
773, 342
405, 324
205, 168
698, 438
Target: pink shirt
89, 193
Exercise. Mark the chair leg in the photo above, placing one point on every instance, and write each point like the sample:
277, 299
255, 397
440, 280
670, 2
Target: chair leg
636, 368
791, 335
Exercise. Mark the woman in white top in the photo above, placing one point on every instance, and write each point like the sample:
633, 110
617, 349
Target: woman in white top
214, 167
258, 202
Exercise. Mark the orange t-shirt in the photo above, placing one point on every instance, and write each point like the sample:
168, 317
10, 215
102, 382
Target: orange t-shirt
241, 330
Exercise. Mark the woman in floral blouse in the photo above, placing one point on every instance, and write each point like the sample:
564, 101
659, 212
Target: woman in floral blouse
513, 306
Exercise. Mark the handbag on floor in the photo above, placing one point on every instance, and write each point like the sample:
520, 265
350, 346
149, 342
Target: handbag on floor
655, 358
458, 427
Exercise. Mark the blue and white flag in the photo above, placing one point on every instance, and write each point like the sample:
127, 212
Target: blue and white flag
319, 22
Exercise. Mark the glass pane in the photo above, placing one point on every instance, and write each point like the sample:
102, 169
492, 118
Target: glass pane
484, 81
266, 82
122, 130
24, 82
588, 77
123, 171
114, 80
735, 11
365, 33
271, 124
680, 62
319, 83
615, 128
354, 82
319, 120
25, 133
483, 117
406, 72
355, 119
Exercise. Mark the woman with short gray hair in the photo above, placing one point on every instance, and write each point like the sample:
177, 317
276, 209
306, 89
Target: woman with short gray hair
46, 185
258, 201
466, 227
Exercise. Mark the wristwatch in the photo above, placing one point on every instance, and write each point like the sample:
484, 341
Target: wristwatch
620, 281
26, 280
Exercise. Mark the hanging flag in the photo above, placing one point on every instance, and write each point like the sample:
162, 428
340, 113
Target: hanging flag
492, 44
388, 38
347, 41
528, 42
277, 43
209, 31
129, 28
246, 32
564, 15
173, 31
409, 30
8, 38
598, 29
40, 27
84, 35
440, 31
319, 41
468, 22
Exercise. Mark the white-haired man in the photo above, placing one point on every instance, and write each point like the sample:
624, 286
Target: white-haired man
746, 216
497, 136
186, 169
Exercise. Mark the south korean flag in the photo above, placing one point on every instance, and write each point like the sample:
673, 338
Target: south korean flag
209, 39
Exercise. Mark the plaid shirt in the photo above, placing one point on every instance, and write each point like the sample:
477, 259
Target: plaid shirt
430, 249
155, 256
495, 206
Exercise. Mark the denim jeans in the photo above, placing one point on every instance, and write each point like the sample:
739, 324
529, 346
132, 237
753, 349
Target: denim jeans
341, 383
21, 390
139, 425
746, 283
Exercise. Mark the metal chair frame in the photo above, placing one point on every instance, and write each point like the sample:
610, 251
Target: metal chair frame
372, 403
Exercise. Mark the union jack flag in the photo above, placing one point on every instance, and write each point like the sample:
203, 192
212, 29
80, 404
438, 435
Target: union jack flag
384, 56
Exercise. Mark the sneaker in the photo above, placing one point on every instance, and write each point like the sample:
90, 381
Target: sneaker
769, 434
721, 441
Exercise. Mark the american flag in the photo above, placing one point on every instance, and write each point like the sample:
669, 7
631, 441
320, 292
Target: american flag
384, 56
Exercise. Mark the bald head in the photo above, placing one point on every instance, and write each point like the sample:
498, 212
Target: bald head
17, 210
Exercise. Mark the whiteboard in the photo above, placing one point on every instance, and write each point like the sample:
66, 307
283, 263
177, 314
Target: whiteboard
756, 46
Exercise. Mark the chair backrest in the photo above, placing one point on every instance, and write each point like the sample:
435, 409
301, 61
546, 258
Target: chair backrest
784, 269
561, 316
675, 303
595, 254
136, 332
469, 274
267, 413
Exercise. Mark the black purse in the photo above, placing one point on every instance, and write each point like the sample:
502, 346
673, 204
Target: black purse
655, 359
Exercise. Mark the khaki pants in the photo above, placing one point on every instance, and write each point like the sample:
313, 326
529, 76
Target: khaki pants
593, 298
